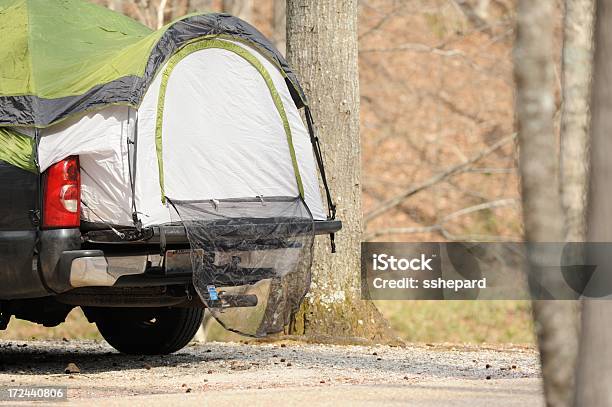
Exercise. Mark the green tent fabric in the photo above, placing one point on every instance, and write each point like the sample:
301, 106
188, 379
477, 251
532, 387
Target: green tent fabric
17, 150
63, 57
50, 53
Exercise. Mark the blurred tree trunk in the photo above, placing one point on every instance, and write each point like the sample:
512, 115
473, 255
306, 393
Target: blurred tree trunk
179, 8
161, 13
593, 382
279, 25
322, 48
576, 81
199, 5
239, 8
577, 67
542, 214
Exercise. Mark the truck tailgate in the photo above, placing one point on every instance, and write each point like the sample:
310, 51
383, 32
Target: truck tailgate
175, 234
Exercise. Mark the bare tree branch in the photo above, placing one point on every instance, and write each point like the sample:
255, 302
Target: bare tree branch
480, 207
402, 231
450, 171
472, 14
439, 227
380, 22
417, 47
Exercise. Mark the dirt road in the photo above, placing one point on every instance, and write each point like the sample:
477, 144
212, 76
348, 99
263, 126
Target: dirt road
289, 373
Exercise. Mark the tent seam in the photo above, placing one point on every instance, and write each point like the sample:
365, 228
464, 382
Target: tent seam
30, 53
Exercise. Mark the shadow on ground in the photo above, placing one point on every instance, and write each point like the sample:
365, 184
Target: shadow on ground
52, 357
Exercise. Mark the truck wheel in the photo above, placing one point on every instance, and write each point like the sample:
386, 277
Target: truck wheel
148, 331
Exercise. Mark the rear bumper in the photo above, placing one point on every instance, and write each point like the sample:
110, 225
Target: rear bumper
91, 268
90, 271
111, 262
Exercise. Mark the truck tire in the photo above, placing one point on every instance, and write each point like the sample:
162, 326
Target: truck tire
148, 331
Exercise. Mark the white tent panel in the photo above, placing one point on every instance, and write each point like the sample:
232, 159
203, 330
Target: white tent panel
147, 187
97, 132
222, 138
235, 143
301, 139
100, 139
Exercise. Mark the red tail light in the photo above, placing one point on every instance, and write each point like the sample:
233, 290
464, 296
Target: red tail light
62, 201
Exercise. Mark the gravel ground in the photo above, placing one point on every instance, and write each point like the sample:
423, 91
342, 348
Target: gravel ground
206, 373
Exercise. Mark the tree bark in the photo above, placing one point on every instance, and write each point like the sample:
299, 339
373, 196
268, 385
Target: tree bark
542, 214
200, 6
322, 48
161, 13
279, 25
577, 66
595, 356
239, 8
179, 8
575, 118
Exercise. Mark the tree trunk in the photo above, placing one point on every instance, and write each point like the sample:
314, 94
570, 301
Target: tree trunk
595, 357
542, 215
577, 66
576, 81
239, 8
279, 25
179, 8
161, 13
200, 6
322, 48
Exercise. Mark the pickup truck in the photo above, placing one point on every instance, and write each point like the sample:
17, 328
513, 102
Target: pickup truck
138, 290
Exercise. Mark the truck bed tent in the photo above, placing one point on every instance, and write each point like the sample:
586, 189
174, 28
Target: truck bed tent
197, 122
216, 129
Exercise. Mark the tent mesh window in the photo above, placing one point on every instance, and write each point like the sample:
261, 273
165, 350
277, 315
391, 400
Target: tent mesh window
251, 259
